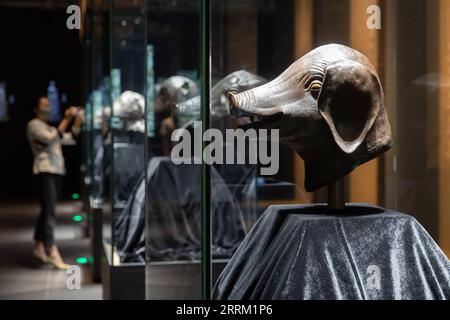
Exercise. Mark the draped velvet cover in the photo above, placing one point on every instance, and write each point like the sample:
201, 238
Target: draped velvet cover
173, 216
128, 167
306, 252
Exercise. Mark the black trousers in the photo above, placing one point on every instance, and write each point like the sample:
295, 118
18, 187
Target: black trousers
49, 187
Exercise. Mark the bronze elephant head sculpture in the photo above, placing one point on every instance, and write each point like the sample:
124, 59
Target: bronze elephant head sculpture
328, 107
236, 81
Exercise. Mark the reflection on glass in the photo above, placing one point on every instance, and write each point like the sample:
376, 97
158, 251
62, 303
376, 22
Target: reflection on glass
3, 103
172, 193
150, 91
123, 130
53, 97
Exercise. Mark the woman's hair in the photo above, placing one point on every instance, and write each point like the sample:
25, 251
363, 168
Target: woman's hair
38, 101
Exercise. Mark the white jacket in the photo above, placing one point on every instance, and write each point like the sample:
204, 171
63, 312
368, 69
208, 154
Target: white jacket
46, 142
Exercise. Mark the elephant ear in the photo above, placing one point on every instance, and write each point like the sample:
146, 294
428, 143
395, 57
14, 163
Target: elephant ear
349, 101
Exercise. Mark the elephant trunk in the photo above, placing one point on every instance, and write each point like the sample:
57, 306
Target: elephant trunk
262, 101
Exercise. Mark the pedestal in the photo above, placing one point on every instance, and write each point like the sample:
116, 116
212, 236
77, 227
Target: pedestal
308, 252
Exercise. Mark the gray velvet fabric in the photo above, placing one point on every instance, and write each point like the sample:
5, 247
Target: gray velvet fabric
174, 212
173, 216
306, 252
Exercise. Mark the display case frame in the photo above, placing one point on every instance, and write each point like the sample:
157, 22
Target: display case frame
125, 44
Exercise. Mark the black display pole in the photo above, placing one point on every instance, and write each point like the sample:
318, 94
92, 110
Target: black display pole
205, 68
336, 194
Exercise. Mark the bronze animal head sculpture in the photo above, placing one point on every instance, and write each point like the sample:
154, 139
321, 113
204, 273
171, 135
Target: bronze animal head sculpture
236, 81
172, 91
329, 108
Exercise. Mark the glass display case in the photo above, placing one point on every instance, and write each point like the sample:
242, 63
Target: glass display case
266, 37
162, 95
237, 193
85, 169
251, 44
122, 97
96, 99
172, 193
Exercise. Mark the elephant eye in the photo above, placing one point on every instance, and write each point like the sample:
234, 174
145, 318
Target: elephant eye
314, 88
313, 83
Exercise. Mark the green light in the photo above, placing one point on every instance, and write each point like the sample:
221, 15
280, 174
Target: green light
77, 218
75, 196
81, 260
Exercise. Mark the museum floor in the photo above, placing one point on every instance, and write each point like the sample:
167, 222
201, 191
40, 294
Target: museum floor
20, 276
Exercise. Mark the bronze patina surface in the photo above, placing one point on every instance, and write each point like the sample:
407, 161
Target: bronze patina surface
329, 108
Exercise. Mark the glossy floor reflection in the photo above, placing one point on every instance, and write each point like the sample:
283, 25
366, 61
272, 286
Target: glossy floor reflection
23, 278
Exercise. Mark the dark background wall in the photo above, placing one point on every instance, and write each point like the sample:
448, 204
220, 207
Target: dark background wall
35, 47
